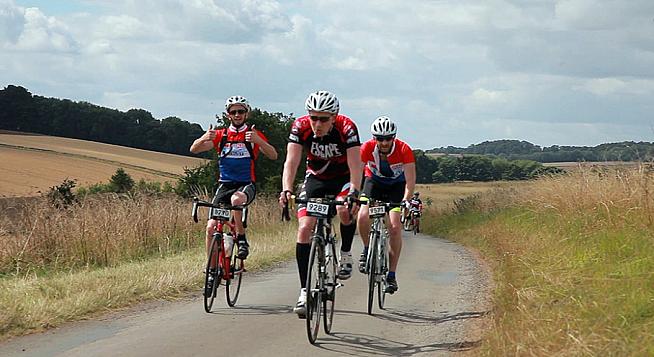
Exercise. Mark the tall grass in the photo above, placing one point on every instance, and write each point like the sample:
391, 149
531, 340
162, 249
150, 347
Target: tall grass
573, 258
111, 251
102, 230
99, 231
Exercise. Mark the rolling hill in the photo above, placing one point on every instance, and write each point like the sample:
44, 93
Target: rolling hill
32, 163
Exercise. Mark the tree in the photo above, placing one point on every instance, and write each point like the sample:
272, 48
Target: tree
121, 182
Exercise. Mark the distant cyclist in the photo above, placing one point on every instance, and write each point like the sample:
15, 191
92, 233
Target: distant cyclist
238, 146
414, 206
390, 176
331, 142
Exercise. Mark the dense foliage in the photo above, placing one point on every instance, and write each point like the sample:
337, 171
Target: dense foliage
477, 168
524, 150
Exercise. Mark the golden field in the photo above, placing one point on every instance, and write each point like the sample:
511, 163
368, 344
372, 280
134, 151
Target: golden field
33, 163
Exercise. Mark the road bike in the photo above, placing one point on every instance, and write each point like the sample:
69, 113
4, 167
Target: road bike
222, 262
411, 220
377, 259
321, 281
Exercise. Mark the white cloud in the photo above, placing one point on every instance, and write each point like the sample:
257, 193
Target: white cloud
30, 30
450, 72
12, 22
618, 86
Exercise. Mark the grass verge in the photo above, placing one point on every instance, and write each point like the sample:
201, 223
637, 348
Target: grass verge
573, 263
50, 293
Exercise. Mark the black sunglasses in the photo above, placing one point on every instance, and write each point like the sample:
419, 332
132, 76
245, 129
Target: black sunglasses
323, 119
237, 111
384, 138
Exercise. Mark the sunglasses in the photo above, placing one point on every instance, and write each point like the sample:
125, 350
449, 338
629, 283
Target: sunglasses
237, 111
384, 138
323, 119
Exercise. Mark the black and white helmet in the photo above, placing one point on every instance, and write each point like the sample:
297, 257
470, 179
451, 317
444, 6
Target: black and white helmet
236, 99
322, 101
383, 126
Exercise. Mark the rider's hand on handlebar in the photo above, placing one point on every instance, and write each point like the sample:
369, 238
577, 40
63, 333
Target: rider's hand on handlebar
284, 198
352, 199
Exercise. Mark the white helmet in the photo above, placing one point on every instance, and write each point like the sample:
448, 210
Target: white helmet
237, 99
322, 101
383, 126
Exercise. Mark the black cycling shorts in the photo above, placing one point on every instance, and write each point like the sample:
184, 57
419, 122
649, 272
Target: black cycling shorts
227, 189
386, 193
316, 188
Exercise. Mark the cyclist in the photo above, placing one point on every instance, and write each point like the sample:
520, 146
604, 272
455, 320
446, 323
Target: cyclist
414, 205
238, 146
390, 175
331, 141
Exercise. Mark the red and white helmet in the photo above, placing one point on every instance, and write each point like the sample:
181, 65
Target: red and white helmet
383, 126
322, 101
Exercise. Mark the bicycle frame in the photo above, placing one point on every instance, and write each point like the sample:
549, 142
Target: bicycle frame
220, 263
321, 293
378, 258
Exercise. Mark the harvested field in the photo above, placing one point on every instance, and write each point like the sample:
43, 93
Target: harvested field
33, 163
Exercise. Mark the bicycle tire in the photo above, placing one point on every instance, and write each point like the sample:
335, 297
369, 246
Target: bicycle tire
372, 268
314, 294
407, 224
211, 296
383, 269
233, 284
331, 272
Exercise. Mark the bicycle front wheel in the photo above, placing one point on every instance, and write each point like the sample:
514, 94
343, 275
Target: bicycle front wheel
213, 275
382, 251
313, 304
233, 283
330, 287
372, 268
407, 224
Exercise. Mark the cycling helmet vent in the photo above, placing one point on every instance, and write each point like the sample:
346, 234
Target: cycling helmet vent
322, 101
383, 126
237, 99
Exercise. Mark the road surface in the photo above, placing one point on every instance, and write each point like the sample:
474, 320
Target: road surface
441, 304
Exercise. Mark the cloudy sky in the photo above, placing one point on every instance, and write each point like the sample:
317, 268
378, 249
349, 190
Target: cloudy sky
570, 72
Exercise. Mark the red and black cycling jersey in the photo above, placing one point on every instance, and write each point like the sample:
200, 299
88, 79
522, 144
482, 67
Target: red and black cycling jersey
327, 155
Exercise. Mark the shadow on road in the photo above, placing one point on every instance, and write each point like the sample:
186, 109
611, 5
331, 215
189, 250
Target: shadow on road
417, 317
254, 310
364, 345
367, 345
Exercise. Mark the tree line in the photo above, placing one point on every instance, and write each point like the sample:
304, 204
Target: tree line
524, 150
20, 110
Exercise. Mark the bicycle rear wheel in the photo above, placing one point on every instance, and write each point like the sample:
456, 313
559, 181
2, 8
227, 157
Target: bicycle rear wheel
233, 284
314, 293
330, 286
210, 288
372, 268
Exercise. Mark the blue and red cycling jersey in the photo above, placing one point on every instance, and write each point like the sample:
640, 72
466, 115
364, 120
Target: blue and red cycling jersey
236, 164
391, 170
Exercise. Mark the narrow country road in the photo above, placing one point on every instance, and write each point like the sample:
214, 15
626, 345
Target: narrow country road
438, 310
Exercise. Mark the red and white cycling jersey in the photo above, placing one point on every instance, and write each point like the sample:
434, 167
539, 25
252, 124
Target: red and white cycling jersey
327, 155
387, 171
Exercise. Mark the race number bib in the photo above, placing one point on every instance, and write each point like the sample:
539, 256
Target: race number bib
318, 209
376, 211
220, 213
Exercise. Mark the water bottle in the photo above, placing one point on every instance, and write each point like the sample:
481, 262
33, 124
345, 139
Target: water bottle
228, 243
